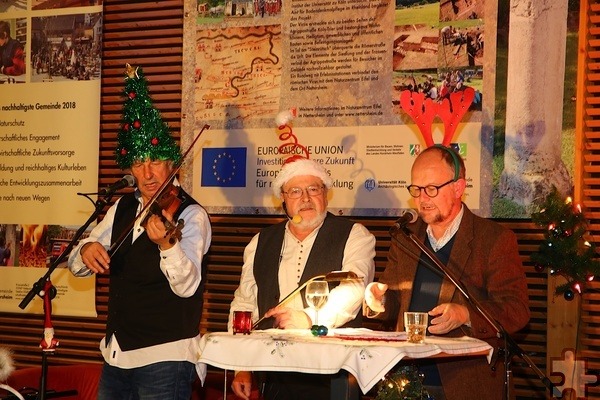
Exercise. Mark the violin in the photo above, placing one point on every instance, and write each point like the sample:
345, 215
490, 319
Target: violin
169, 201
167, 198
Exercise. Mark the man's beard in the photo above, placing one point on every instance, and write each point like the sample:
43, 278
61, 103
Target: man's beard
314, 222
433, 218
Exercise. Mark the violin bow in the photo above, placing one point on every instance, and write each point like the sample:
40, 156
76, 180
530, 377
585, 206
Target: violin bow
117, 244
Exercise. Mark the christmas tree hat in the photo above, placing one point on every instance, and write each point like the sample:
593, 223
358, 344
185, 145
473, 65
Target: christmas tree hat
143, 134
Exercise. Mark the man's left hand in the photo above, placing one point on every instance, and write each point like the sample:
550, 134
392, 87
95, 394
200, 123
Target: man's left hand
448, 316
157, 231
286, 318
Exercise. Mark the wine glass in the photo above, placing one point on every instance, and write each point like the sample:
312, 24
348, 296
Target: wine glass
316, 295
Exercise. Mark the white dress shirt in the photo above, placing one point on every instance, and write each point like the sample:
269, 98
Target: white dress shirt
344, 300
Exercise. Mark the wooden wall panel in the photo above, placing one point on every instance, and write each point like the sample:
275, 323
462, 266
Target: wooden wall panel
587, 175
147, 34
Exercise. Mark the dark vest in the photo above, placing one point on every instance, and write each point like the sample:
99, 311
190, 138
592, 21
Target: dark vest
428, 280
425, 296
142, 309
325, 256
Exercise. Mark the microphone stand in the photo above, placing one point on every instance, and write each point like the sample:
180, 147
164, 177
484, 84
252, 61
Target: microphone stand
511, 347
44, 288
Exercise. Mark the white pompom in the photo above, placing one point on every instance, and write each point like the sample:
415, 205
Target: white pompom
283, 118
6, 364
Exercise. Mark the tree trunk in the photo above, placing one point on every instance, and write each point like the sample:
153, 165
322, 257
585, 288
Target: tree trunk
535, 85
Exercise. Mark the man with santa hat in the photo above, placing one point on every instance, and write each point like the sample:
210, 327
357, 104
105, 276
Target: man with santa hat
283, 256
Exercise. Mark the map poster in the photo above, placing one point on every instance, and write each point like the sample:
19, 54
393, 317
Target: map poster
338, 69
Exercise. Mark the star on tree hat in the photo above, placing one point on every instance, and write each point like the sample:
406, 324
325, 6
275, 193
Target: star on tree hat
143, 134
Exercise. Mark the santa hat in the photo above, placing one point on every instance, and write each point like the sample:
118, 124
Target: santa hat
299, 166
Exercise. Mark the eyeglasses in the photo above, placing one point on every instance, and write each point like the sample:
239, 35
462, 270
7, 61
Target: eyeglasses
296, 192
430, 190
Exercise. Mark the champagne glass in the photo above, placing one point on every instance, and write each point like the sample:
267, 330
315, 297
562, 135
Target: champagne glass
317, 293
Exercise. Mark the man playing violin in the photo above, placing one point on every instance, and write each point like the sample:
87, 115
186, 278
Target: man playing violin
156, 280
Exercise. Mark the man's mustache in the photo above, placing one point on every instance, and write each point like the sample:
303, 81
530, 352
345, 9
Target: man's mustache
306, 207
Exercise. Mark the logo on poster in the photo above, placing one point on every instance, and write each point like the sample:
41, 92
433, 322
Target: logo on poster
224, 167
460, 148
370, 184
414, 149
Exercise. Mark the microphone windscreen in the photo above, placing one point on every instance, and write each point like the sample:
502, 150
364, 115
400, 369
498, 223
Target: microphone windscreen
130, 180
296, 219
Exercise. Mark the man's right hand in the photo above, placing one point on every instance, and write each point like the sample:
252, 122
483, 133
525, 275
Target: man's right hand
374, 295
286, 318
242, 384
95, 257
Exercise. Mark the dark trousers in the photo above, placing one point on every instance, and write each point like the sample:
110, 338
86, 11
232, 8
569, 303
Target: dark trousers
167, 380
296, 385
301, 386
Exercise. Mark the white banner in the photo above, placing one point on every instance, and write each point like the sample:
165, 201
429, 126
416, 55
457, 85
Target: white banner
370, 167
49, 132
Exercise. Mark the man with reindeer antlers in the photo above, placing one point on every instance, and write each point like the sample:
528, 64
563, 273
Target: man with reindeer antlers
481, 253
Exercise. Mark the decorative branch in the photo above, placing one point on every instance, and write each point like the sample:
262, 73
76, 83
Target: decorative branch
565, 250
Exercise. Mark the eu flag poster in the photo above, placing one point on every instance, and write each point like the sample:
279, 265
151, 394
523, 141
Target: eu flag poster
224, 167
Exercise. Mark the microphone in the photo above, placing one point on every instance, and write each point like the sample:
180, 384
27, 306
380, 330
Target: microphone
296, 219
126, 181
407, 216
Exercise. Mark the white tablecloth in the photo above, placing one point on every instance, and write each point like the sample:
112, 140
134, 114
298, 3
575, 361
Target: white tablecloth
366, 354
